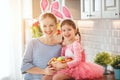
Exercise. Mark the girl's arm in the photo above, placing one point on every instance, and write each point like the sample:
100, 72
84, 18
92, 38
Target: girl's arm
78, 52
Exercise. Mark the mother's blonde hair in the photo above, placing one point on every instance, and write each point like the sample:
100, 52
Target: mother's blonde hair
45, 15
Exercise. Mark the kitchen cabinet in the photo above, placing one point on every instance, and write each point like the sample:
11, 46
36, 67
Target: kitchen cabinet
111, 9
90, 9
74, 8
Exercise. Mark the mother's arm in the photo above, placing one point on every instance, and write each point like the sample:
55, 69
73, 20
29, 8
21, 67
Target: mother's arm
27, 65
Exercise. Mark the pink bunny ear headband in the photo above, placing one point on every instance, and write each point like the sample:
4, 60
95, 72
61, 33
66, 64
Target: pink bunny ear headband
54, 8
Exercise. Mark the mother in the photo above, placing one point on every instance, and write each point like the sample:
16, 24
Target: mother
40, 50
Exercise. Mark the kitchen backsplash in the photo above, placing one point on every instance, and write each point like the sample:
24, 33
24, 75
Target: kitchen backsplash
100, 35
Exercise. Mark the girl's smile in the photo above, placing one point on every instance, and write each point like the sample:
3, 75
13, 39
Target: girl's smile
68, 32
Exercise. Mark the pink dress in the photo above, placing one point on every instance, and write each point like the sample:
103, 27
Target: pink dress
79, 68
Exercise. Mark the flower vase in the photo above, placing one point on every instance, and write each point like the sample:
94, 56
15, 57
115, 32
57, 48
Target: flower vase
105, 70
117, 74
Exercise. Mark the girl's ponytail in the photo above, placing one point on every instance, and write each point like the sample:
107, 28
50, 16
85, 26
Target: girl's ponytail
78, 33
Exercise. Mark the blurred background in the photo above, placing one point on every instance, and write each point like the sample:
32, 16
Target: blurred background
98, 21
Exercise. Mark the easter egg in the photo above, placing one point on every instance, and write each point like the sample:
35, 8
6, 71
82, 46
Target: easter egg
60, 58
68, 59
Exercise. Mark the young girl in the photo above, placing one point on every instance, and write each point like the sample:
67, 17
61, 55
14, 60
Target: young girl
78, 68
40, 50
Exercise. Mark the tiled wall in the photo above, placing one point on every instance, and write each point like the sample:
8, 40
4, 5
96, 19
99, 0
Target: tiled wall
100, 35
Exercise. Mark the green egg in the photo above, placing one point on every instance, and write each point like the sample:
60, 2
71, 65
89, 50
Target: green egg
60, 58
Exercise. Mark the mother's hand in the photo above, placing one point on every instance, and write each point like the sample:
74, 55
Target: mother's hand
49, 70
59, 65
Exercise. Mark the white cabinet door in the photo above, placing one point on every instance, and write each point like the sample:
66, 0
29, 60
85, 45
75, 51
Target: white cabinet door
111, 9
95, 9
90, 9
85, 9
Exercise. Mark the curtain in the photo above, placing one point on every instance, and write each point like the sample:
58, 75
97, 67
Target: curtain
11, 45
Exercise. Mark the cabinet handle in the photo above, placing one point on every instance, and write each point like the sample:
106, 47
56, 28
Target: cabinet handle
88, 15
116, 14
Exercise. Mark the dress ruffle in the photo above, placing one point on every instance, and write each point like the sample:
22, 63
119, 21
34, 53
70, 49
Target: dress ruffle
85, 70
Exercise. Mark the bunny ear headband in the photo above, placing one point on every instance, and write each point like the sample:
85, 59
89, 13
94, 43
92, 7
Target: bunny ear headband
54, 8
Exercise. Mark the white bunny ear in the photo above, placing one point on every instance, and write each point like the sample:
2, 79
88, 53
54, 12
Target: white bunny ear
54, 5
57, 14
66, 12
44, 5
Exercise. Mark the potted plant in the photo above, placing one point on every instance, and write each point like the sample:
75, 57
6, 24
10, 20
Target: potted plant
116, 66
104, 59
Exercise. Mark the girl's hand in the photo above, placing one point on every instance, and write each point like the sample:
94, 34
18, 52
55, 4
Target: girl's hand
52, 60
49, 70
